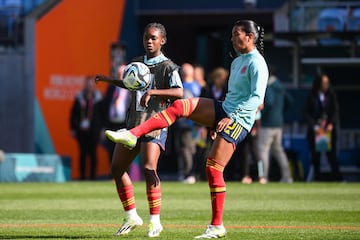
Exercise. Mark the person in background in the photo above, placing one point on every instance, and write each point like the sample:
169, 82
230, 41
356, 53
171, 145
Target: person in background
185, 144
322, 116
114, 108
187, 74
217, 88
270, 135
199, 75
249, 148
85, 124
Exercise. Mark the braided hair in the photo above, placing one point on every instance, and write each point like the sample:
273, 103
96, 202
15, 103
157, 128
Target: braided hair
159, 27
250, 26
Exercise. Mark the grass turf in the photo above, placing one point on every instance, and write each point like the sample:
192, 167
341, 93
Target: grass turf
86, 210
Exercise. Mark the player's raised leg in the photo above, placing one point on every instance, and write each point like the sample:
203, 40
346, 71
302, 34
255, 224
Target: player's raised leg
200, 110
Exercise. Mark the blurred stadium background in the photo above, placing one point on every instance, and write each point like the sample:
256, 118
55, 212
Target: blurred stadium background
48, 46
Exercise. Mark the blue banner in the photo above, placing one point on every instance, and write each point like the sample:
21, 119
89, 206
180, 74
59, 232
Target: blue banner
20, 167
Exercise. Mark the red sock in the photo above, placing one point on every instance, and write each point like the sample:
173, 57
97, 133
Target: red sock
214, 172
179, 108
154, 200
126, 195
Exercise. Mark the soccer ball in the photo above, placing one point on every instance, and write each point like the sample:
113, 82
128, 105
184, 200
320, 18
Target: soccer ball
136, 76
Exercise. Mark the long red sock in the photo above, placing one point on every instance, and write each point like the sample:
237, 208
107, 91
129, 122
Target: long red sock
154, 200
214, 172
126, 195
179, 108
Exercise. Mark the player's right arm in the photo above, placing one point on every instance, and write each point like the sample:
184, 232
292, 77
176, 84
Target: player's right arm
110, 80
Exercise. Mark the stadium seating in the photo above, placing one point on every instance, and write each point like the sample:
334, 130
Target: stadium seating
11, 13
331, 20
354, 21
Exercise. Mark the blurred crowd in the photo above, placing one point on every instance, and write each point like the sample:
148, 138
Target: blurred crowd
260, 157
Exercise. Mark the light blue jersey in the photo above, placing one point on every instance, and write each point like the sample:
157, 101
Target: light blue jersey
246, 88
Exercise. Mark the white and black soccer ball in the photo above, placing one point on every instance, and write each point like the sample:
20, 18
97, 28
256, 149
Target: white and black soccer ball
136, 76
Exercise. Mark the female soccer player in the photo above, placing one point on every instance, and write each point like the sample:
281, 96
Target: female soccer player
232, 118
165, 87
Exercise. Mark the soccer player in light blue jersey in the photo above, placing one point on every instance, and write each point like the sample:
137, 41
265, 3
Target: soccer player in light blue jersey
231, 119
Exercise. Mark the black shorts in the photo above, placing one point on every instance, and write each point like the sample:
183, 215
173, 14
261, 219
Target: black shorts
234, 133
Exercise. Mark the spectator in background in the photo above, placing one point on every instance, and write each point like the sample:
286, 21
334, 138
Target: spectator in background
114, 108
248, 150
85, 123
200, 133
322, 116
217, 87
185, 143
272, 120
199, 75
187, 74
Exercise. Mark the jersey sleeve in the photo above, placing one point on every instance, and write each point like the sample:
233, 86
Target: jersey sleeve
175, 80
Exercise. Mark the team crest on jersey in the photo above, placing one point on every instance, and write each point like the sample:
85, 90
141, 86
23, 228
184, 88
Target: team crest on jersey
243, 69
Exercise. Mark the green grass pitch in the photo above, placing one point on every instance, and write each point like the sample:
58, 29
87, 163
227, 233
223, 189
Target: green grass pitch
91, 210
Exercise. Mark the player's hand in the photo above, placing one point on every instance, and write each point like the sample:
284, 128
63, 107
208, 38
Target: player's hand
223, 123
213, 134
145, 99
100, 77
